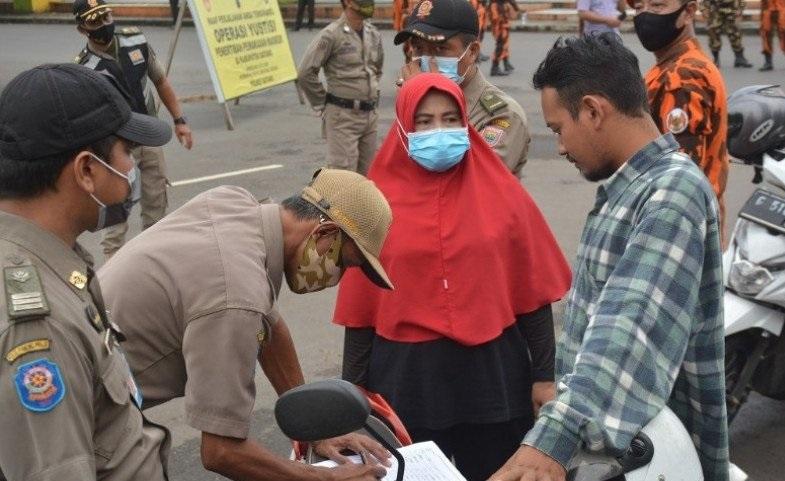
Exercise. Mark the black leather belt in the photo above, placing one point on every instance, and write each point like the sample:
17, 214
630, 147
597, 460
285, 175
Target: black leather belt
364, 105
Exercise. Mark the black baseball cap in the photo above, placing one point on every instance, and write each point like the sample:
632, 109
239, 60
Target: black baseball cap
438, 20
58, 108
89, 9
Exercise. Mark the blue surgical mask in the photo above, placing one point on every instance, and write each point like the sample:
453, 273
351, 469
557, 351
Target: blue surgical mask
437, 150
448, 66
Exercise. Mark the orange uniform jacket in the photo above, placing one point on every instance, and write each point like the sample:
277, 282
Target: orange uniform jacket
400, 14
686, 96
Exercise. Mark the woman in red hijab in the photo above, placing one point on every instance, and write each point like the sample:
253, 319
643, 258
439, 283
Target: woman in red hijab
459, 344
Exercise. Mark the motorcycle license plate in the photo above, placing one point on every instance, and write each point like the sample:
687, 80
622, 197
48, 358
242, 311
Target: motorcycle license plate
766, 209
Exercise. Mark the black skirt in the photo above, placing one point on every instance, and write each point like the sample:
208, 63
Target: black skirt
441, 383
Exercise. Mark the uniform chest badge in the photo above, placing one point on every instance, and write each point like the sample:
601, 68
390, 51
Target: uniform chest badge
40, 385
136, 56
677, 121
78, 280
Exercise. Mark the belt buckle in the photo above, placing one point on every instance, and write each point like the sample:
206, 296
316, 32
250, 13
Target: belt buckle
355, 105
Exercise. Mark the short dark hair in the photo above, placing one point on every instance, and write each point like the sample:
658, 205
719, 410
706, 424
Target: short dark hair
467, 38
24, 179
301, 208
593, 65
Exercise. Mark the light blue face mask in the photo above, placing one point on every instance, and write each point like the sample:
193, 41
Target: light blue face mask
448, 66
439, 149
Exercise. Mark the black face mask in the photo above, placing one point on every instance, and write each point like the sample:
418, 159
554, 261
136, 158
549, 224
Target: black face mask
657, 31
102, 35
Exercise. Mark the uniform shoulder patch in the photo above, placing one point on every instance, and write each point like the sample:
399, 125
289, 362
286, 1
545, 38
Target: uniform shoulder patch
492, 135
501, 123
26, 348
40, 385
677, 121
24, 294
492, 103
130, 31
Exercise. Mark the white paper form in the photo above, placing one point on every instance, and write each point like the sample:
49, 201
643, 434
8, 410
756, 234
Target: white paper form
424, 462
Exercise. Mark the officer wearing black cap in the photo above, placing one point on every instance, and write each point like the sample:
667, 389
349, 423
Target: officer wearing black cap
127, 56
70, 406
449, 28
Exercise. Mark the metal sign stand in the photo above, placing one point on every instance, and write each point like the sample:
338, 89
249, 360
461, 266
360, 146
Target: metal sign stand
178, 26
173, 45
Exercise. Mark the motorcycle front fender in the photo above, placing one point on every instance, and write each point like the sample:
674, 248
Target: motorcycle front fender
742, 314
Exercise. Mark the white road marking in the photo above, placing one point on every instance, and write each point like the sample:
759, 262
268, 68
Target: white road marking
233, 173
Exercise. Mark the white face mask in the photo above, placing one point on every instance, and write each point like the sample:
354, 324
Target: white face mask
113, 214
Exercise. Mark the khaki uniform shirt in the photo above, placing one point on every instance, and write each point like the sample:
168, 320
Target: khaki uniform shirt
66, 408
499, 119
195, 294
352, 63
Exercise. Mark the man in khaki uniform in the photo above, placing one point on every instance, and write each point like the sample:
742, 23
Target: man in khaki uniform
196, 296
127, 56
449, 29
71, 410
350, 52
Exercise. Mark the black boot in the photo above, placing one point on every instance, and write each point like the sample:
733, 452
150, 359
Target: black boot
496, 71
716, 55
767, 64
741, 61
508, 66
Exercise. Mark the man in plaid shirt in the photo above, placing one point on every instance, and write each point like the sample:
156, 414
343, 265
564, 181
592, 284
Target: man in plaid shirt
643, 325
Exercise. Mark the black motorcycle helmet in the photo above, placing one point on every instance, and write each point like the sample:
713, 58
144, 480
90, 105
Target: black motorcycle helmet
756, 121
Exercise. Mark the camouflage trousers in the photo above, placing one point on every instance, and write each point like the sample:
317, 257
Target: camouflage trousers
723, 20
150, 161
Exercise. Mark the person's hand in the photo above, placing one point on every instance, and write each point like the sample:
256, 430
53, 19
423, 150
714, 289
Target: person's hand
542, 392
318, 111
613, 22
412, 69
529, 464
183, 133
331, 448
353, 472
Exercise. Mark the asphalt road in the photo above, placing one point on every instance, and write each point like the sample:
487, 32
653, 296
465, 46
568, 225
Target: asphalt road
274, 129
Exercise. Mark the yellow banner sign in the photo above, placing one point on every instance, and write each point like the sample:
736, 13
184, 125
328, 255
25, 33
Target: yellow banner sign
244, 43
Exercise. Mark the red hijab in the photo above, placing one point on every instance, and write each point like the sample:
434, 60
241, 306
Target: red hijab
467, 250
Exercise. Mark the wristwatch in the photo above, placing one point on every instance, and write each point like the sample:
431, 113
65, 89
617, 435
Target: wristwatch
181, 120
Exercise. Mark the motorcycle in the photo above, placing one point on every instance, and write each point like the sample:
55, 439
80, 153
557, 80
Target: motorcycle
754, 263
663, 450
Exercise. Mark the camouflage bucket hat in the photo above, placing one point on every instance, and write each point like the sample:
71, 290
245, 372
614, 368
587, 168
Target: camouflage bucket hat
360, 209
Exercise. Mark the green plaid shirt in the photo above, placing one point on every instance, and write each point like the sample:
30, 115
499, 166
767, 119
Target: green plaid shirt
643, 323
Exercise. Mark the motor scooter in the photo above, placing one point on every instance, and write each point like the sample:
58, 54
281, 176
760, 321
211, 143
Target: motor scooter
663, 450
754, 262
